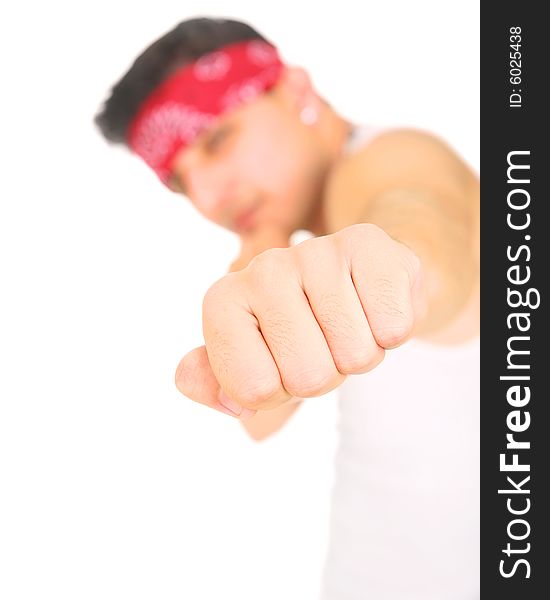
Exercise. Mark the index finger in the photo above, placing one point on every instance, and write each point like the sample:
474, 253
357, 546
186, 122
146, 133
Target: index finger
238, 354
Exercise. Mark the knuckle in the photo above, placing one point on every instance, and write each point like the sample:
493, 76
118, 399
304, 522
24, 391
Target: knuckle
215, 294
254, 392
266, 266
362, 229
390, 312
220, 293
312, 252
360, 234
310, 382
393, 335
358, 360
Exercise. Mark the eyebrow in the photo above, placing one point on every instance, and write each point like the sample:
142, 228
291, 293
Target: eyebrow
176, 181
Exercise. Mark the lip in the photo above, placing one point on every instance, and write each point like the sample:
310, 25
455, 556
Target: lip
245, 220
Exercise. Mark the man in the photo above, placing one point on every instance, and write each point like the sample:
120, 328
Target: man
214, 112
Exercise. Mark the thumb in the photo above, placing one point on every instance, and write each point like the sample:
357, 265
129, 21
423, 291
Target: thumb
195, 379
252, 244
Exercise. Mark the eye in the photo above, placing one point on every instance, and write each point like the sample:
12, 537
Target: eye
216, 139
175, 184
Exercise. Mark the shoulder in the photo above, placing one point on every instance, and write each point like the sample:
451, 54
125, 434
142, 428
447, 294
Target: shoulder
395, 159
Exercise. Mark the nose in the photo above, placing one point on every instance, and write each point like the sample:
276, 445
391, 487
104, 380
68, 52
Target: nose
211, 191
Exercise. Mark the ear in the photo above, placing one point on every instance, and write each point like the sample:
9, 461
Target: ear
296, 90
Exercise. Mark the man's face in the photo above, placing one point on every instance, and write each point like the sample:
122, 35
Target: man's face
259, 165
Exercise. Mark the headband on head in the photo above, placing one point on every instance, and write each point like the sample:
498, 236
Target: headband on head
189, 101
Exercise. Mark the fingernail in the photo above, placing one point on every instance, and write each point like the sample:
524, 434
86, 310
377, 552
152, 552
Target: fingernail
235, 409
231, 405
247, 413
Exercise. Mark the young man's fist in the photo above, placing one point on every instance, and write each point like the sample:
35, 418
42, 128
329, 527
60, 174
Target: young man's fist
295, 321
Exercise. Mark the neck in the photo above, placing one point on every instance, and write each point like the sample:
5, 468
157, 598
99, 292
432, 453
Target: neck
332, 133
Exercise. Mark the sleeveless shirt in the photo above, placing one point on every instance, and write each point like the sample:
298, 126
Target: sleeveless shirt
404, 520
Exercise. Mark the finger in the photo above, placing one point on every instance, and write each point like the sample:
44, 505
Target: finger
237, 352
383, 283
337, 308
288, 325
195, 379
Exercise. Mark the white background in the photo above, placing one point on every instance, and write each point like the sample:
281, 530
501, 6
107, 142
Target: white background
113, 485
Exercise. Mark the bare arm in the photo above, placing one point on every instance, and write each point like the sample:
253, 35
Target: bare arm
422, 194
415, 188
401, 219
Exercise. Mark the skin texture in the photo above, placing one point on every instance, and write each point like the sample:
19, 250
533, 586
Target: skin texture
395, 253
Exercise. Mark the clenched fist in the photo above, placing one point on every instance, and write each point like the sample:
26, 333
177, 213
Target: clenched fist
295, 321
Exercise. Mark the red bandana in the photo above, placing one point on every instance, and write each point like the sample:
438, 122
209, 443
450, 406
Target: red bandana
189, 101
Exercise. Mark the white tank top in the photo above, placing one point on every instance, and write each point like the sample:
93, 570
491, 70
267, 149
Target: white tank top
405, 498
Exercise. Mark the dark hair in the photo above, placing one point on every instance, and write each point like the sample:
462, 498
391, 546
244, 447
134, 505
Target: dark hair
188, 41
